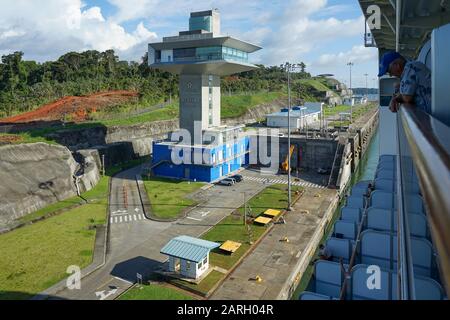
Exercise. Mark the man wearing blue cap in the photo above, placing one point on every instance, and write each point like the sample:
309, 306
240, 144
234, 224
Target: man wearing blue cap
415, 83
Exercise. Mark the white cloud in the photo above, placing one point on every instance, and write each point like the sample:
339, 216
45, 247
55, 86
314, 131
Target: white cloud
299, 33
358, 54
46, 30
291, 30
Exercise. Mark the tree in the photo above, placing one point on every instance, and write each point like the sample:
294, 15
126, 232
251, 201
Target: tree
14, 75
302, 66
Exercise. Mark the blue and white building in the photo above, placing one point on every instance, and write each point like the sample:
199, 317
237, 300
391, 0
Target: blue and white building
200, 57
300, 116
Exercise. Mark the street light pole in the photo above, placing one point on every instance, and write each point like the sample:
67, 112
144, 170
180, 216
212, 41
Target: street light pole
367, 86
289, 67
351, 64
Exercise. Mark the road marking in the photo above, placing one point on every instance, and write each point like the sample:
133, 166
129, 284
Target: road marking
119, 211
140, 216
135, 218
120, 221
299, 254
102, 295
103, 285
125, 218
194, 219
126, 281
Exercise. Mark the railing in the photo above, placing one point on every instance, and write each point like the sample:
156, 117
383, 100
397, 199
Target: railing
205, 57
198, 36
345, 284
333, 168
429, 148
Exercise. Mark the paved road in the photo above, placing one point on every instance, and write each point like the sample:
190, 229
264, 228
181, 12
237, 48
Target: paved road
135, 243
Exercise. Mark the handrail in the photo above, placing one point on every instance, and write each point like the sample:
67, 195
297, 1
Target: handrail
355, 249
429, 144
334, 164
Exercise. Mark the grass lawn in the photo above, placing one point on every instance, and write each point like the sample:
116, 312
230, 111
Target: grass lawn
318, 85
232, 107
232, 228
362, 110
24, 137
36, 256
205, 286
166, 113
344, 123
154, 292
328, 112
168, 197
238, 105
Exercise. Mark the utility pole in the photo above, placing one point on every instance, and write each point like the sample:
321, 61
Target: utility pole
103, 164
289, 138
351, 64
289, 67
245, 210
367, 85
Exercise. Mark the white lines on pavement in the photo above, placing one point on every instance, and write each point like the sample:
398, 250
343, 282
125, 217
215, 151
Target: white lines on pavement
126, 218
194, 219
119, 212
284, 181
126, 281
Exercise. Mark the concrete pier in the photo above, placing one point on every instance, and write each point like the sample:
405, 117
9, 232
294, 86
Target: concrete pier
281, 264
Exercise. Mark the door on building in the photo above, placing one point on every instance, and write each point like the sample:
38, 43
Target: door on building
229, 167
177, 265
221, 171
187, 173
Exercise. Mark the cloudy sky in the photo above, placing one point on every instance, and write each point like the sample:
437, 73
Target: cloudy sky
324, 34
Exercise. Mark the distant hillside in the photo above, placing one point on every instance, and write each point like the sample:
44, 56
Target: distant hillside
27, 85
363, 91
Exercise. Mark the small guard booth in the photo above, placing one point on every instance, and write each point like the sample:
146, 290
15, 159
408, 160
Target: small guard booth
188, 256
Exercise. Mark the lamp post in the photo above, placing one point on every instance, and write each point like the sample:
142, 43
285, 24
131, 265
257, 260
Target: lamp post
289, 68
367, 86
351, 64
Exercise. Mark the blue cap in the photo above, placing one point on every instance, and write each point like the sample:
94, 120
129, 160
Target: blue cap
386, 60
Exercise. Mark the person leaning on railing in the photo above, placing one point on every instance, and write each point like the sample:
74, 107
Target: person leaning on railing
415, 81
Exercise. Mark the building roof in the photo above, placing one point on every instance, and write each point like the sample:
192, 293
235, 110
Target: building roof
263, 220
226, 41
189, 248
230, 246
217, 67
307, 110
272, 213
418, 19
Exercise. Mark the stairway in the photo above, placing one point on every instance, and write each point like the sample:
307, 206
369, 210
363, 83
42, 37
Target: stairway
334, 175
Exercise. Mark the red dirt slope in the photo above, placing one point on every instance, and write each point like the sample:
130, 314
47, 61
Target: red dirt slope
75, 108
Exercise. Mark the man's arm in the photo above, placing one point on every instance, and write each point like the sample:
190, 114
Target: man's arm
407, 99
399, 99
408, 85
